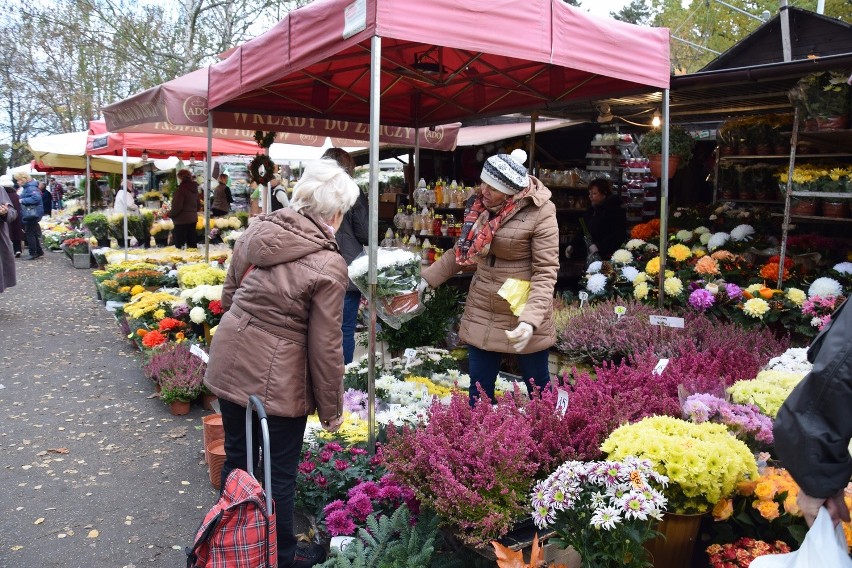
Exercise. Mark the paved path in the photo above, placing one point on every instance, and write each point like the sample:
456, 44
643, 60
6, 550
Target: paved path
93, 473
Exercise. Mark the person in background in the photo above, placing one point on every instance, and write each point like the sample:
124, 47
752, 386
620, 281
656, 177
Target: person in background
31, 196
46, 199
353, 235
509, 231
16, 227
222, 198
184, 211
812, 429
283, 296
124, 200
278, 191
57, 192
605, 219
8, 215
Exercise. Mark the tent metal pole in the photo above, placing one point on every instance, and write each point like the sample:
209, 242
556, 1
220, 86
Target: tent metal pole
664, 200
531, 153
375, 86
208, 183
88, 184
416, 157
124, 187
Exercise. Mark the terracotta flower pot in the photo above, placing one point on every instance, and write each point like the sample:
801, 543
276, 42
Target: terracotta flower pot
212, 430
806, 207
840, 122
179, 408
655, 162
835, 209
215, 461
675, 547
207, 401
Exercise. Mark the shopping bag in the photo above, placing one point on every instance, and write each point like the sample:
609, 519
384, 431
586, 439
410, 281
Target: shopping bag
824, 546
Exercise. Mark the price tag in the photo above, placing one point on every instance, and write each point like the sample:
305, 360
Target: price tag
661, 366
199, 352
562, 402
409, 355
620, 311
584, 297
667, 321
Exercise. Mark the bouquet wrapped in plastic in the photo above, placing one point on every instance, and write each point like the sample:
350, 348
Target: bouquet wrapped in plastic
397, 277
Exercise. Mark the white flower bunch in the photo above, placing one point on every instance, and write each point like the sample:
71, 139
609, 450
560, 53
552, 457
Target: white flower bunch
794, 360
742, 232
718, 240
203, 292
701, 230
684, 236
843, 267
594, 267
402, 392
634, 244
197, 315
622, 256
630, 273
596, 284
825, 286
232, 236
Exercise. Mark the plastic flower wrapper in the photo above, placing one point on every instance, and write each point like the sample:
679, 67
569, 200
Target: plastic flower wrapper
397, 278
603, 509
516, 292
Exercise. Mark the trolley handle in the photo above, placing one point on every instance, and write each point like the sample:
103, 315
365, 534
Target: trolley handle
254, 402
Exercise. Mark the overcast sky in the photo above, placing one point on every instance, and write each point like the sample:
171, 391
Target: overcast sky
603, 7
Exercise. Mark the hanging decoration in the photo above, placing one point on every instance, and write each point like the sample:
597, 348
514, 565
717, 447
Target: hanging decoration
264, 140
261, 169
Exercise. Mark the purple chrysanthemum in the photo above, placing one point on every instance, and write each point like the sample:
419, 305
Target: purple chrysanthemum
733, 291
701, 299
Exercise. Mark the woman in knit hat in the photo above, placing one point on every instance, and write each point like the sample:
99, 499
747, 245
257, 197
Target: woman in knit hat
509, 231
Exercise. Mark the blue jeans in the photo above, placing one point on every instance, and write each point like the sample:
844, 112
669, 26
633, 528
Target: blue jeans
485, 365
285, 452
351, 303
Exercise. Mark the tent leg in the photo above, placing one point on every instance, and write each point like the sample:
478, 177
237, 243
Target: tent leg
88, 184
208, 173
124, 187
375, 93
664, 200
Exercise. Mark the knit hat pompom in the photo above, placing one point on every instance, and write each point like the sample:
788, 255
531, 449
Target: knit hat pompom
506, 172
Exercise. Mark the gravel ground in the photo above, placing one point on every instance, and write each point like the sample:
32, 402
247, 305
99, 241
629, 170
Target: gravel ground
94, 472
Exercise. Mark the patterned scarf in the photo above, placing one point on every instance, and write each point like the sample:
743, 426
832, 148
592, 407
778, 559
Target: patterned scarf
479, 228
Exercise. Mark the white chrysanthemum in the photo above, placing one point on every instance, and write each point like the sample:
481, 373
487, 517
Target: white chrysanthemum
634, 244
704, 238
684, 236
594, 267
630, 273
843, 267
197, 314
816, 321
825, 286
700, 230
754, 289
622, 256
651, 248
718, 240
596, 284
742, 232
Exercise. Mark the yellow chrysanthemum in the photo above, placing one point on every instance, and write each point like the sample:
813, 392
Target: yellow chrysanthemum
640, 278
653, 266
673, 286
679, 252
796, 296
159, 314
137, 289
640, 291
756, 308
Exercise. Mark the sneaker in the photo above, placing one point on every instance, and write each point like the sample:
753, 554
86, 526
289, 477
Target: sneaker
308, 555
18, 254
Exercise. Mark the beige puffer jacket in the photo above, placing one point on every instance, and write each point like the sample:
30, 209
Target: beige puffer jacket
526, 247
280, 337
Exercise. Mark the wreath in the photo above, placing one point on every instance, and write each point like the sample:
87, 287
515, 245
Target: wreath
264, 140
261, 161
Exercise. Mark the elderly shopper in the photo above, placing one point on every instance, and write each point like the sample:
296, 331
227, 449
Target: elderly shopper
32, 210
184, 211
284, 298
509, 231
16, 227
8, 214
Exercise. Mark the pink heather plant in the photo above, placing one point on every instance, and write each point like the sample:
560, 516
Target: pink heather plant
344, 518
745, 421
472, 464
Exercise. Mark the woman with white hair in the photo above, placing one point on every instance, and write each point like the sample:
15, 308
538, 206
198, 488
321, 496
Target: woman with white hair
280, 338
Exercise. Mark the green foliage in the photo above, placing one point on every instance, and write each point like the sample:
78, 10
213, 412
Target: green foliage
391, 542
97, 224
680, 144
243, 217
442, 308
637, 12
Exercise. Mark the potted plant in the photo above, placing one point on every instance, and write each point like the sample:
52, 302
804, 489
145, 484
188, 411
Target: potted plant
605, 510
703, 463
680, 149
98, 225
77, 249
152, 199
823, 100
397, 277
179, 374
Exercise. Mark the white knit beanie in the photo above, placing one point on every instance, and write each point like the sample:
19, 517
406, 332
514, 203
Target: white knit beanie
506, 173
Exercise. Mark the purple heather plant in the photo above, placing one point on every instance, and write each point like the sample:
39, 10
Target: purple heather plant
179, 372
745, 421
344, 518
472, 464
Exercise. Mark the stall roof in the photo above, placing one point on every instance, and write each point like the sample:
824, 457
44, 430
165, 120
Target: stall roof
442, 61
68, 151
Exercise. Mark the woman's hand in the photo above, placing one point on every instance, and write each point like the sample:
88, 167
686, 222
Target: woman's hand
520, 336
333, 424
835, 504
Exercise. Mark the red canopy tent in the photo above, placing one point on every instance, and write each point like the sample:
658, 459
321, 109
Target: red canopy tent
179, 107
404, 64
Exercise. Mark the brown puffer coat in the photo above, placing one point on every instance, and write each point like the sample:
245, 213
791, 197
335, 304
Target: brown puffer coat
526, 247
280, 337
185, 207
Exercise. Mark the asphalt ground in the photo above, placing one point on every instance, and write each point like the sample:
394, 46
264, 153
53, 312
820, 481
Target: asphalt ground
93, 472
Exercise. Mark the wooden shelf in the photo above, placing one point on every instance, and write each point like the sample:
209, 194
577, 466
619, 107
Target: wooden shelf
829, 195
816, 218
781, 156
835, 139
758, 201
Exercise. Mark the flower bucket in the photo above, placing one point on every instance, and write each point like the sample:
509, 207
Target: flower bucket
675, 547
655, 162
215, 452
179, 408
212, 430
81, 260
402, 304
803, 206
835, 209
840, 122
